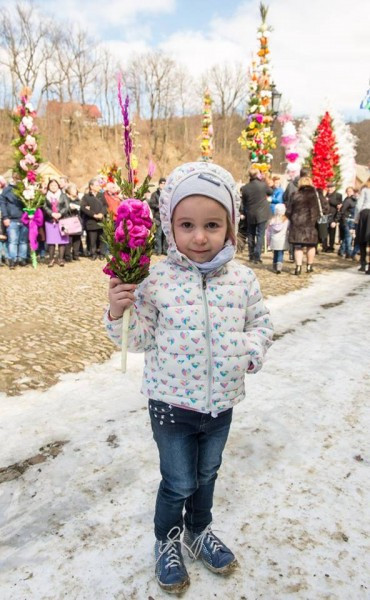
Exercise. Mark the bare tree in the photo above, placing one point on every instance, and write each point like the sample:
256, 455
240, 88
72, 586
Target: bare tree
134, 79
228, 87
107, 84
22, 35
84, 61
159, 80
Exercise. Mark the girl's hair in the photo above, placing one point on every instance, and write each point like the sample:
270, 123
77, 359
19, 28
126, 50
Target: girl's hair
51, 181
367, 184
304, 181
230, 231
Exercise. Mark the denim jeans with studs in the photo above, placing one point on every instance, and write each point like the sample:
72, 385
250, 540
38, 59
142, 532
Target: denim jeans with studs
190, 446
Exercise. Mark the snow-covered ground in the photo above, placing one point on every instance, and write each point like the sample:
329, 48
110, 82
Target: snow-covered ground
292, 499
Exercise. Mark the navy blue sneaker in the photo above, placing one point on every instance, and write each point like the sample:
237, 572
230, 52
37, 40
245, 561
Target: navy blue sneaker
217, 557
170, 570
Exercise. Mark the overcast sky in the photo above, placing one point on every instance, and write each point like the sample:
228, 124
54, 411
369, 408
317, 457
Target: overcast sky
320, 49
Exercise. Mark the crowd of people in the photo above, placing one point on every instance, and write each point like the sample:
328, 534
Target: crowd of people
284, 221
62, 203
300, 218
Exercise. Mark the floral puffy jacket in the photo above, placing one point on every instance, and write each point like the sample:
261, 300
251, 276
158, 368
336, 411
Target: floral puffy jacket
200, 333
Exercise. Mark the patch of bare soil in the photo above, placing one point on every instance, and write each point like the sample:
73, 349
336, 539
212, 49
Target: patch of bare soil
17, 469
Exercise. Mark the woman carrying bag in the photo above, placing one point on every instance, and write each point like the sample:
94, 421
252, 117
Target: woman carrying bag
76, 222
55, 208
304, 211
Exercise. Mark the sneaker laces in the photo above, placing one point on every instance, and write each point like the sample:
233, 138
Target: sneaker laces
173, 558
196, 547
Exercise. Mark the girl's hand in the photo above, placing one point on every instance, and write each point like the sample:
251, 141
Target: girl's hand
56, 215
121, 296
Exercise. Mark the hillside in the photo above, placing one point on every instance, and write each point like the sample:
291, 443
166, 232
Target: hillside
80, 150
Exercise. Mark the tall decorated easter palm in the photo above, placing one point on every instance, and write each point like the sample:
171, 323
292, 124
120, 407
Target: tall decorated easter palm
258, 137
206, 145
27, 159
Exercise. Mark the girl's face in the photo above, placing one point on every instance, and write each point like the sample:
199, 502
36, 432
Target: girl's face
53, 187
199, 227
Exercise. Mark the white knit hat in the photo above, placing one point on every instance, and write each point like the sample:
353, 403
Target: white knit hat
203, 184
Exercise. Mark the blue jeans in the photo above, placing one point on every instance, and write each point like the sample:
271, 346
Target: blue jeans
278, 256
17, 240
346, 245
256, 234
190, 446
160, 242
3, 250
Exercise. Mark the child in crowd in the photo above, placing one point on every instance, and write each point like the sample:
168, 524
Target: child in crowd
277, 237
202, 323
278, 193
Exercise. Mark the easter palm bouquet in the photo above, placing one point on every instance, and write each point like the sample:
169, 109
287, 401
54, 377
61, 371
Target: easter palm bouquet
130, 234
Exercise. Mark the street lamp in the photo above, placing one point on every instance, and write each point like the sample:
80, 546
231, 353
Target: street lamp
275, 100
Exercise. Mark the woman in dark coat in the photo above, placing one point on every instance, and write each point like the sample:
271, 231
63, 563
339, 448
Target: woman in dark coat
303, 213
94, 207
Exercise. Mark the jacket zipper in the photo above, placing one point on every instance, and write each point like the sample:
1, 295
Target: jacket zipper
208, 341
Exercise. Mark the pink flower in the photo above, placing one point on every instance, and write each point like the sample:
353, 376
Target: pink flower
136, 206
139, 220
138, 236
23, 165
136, 242
139, 231
292, 156
22, 129
31, 144
30, 160
23, 149
125, 257
31, 176
288, 139
144, 260
123, 211
109, 271
119, 234
145, 210
151, 168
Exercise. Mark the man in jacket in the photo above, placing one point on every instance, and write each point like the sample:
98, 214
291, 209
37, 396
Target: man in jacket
12, 211
256, 209
160, 243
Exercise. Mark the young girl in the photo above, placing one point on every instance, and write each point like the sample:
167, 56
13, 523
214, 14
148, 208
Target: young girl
277, 236
201, 321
